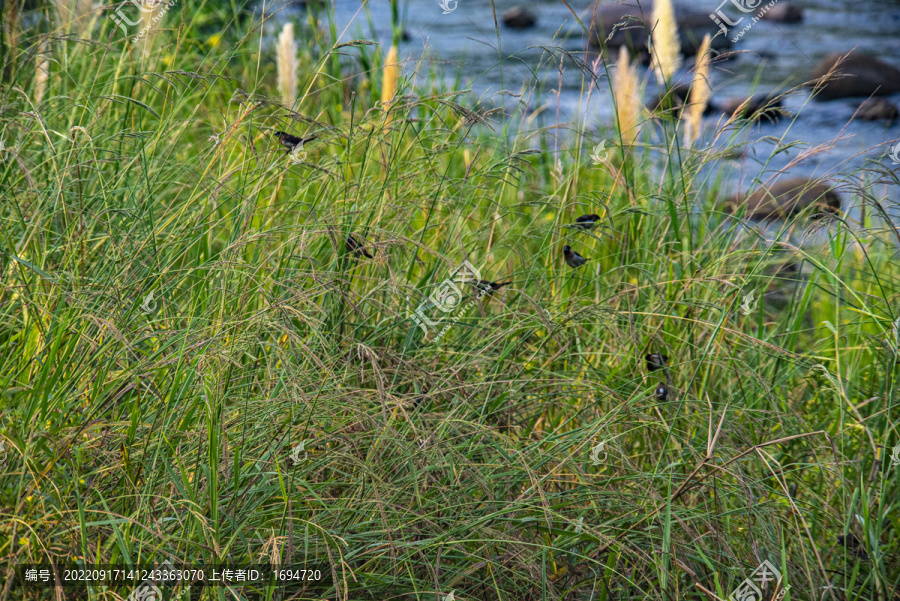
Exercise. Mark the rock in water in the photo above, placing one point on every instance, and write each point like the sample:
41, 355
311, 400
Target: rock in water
876, 109
857, 75
632, 30
784, 12
673, 100
785, 198
519, 17
760, 106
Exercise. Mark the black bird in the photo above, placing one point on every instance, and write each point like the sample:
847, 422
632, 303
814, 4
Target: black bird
656, 361
290, 142
661, 392
852, 544
491, 287
586, 222
354, 246
417, 401
573, 259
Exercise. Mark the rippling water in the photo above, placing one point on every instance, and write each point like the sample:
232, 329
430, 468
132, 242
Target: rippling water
775, 58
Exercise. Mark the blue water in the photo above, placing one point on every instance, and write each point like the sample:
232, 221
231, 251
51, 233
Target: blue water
773, 58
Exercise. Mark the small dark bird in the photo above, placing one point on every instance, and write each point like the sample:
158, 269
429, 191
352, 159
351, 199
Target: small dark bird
417, 401
661, 392
290, 142
491, 287
852, 544
656, 361
573, 259
354, 246
586, 222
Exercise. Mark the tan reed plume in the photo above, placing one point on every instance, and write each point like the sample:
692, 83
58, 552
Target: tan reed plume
83, 16
13, 29
701, 92
286, 58
665, 47
390, 77
627, 97
42, 71
63, 14
151, 12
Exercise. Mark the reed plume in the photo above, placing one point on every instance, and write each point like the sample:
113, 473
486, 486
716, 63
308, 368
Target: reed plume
151, 12
665, 48
42, 71
700, 94
287, 65
83, 16
12, 29
63, 13
389, 80
627, 98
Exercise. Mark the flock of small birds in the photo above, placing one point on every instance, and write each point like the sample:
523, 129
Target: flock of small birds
573, 259
353, 246
654, 361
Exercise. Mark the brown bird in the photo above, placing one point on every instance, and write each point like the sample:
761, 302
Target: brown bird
573, 259
355, 247
290, 142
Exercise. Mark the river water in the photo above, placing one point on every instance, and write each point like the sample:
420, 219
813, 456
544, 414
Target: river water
774, 58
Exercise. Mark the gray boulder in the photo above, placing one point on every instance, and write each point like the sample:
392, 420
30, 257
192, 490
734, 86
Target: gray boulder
759, 106
519, 17
877, 109
784, 12
785, 198
857, 75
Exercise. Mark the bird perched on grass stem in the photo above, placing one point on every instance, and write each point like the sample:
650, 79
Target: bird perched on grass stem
290, 142
573, 259
586, 222
355, 247
661, 392
656, 361
491, 287
854, 547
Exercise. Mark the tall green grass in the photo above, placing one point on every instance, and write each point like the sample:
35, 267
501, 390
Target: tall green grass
462, 465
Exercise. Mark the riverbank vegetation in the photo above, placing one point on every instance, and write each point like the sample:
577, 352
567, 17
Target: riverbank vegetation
180, 310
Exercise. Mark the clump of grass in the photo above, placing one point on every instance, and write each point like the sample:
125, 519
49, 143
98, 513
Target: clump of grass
179, 311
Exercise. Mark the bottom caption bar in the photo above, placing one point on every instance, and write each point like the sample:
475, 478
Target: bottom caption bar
169, 575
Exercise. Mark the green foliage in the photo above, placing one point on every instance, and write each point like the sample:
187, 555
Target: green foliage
139, 428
